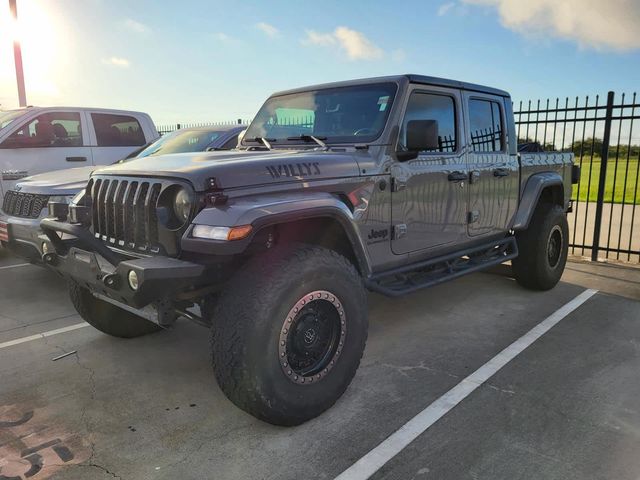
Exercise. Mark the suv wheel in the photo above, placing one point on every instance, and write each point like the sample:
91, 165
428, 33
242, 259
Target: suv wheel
543, 249
108, 318
288, 333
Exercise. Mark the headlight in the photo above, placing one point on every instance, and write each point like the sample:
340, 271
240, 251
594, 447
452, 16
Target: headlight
182, 205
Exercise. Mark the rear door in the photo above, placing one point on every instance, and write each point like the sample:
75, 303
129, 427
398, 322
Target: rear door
53, 140
493, 172
429, 193
114, 136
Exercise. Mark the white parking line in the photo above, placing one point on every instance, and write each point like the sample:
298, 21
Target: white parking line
15, 266
38, 336
394, 444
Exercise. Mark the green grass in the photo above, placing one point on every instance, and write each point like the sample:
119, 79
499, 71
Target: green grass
609, 194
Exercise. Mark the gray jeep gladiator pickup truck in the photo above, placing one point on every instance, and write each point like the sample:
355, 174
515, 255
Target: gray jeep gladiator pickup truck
386, 184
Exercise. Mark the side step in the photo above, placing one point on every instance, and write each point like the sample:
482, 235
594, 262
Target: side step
409, 278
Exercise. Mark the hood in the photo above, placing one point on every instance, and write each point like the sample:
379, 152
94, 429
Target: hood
242, 168
59, 182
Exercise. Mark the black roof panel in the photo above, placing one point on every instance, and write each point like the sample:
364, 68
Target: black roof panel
426, 80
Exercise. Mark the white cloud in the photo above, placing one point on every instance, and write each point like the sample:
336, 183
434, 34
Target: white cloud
135, 26
223, 37
267, 29
117, 62
598, 24
321, 39
444, 8
355, 44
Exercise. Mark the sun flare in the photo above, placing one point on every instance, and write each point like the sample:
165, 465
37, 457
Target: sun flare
42, 46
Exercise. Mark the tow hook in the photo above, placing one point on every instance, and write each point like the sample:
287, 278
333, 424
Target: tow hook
50, 258
112, 281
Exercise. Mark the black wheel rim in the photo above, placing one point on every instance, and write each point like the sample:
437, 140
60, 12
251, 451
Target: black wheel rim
554, 246
312, 337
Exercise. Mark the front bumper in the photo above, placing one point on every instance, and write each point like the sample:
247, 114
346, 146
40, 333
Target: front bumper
90, 263
22, 236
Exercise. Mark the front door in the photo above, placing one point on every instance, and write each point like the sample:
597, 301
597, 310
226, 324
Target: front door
429, 199
51, 141
493, 172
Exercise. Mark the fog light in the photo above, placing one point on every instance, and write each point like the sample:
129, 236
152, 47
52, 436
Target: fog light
45, 247
133, 280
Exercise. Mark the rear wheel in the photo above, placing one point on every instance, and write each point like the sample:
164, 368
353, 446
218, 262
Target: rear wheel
288, 333
108, 318
543, 249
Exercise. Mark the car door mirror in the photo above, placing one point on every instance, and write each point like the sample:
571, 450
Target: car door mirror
421, 135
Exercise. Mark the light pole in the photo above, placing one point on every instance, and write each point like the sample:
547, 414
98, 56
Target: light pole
17, 55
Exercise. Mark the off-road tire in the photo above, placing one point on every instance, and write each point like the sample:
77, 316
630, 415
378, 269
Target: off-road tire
537, 267
108, 318
248, 325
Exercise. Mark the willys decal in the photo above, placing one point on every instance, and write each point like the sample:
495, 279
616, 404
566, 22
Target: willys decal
294, 170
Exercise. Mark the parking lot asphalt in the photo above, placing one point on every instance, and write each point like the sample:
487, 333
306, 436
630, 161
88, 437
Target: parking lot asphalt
149, 408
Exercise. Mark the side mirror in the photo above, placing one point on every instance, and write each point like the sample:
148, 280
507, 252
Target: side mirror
422, 135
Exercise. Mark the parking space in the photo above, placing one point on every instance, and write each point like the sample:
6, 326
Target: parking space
566, 407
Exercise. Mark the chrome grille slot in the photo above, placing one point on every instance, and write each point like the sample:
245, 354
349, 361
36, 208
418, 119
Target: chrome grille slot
25, 205
139, 214
129, 217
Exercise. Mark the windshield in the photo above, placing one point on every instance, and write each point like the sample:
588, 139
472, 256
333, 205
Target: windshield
181, 141
355, 114
9, 116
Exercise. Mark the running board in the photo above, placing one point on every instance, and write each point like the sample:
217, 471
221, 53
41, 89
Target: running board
409, 278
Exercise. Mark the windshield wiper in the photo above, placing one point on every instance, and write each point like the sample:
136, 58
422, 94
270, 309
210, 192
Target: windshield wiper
264, 141
311, 138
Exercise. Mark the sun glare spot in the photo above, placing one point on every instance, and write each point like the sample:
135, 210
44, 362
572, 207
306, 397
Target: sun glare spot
43, 54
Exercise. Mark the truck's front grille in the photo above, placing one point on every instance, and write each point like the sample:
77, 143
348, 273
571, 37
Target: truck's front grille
25, 205
124, 212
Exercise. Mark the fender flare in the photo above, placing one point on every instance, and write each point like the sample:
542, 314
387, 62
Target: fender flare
262, 211
531, 195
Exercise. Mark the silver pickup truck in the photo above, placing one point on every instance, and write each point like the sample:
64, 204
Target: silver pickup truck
387, 184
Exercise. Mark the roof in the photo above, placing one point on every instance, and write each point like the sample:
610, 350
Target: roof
423, 79
63, 107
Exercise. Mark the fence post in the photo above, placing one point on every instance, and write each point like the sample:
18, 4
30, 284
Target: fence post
178, 126
604, 157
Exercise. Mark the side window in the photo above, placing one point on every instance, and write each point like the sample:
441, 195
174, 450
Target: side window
485, 122
55, 129
117, 130
231, 143
439, 108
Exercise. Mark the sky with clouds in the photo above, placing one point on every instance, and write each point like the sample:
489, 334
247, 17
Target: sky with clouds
203, 60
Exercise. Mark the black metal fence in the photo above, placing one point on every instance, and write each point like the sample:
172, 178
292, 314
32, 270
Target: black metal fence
163, 129
605, 138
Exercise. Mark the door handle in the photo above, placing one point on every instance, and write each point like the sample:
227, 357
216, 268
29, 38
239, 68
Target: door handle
76, 159
501, 172
457, 176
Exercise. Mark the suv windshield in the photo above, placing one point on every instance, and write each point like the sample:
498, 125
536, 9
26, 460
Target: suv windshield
9, 116
355, 114
181, 141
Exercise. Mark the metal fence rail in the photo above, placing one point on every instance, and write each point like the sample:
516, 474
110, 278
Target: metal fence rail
605, 139
164, 129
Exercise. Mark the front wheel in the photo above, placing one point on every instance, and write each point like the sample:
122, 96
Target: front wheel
543, 249
288, 333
